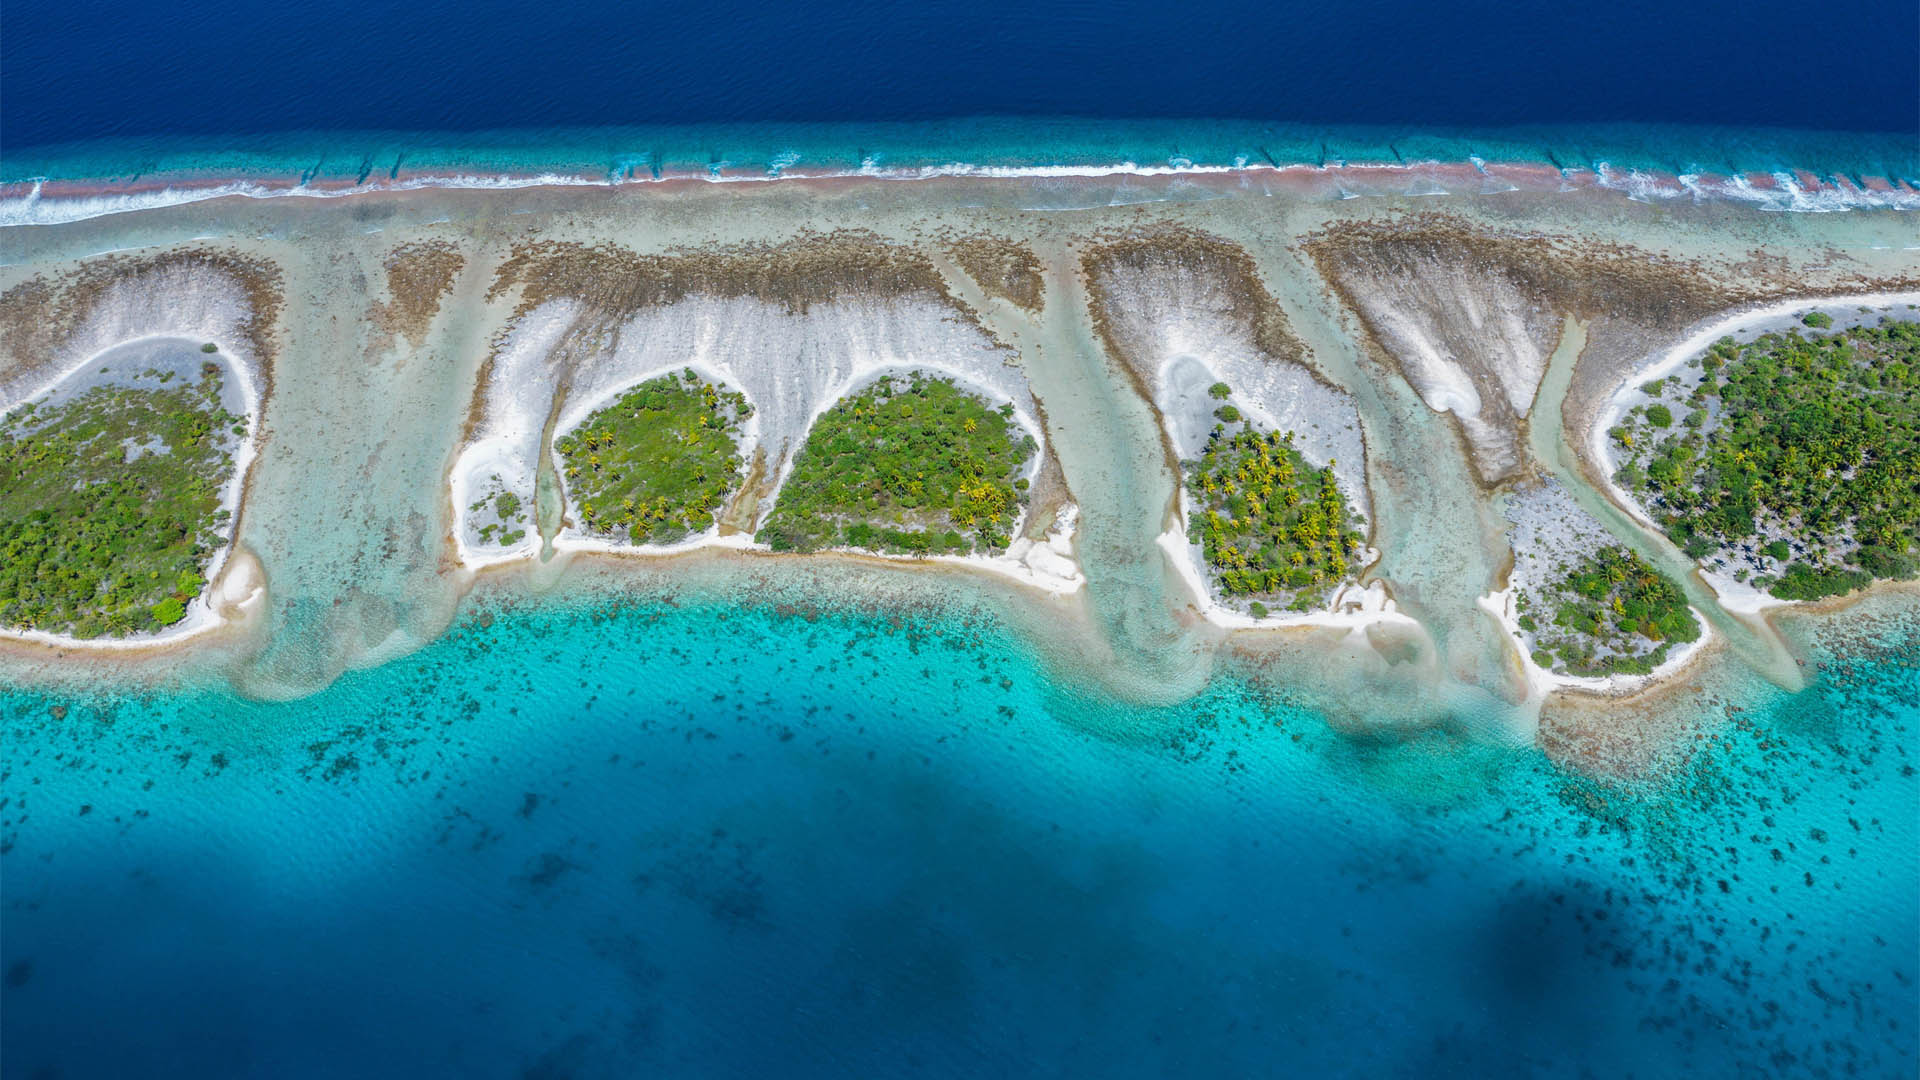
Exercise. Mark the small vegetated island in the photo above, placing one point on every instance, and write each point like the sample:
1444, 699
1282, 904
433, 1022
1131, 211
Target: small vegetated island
1272, 527
1791, 462
1611, 613
656, 465
1584, 604
910, 464
110, 503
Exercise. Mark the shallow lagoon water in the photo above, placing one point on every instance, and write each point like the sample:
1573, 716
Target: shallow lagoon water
569, 839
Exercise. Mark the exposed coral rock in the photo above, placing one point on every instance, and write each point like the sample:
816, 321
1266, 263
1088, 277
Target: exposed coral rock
419, 277
1002, 268
1469, 318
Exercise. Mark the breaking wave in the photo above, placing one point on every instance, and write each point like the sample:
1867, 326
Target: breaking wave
1786, 172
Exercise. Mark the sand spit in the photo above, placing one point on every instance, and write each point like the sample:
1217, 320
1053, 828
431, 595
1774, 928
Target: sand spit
794, 328
1181, 311
112, 312
1048, 497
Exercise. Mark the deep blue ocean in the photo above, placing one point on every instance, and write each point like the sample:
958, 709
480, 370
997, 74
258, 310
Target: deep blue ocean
86, 69
344, 90
696, 840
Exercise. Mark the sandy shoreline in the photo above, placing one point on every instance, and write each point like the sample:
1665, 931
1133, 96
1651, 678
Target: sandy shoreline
1057, 574
1501, 604
1353, 607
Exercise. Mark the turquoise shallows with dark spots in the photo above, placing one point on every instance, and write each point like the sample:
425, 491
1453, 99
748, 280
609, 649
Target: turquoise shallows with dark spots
705, 841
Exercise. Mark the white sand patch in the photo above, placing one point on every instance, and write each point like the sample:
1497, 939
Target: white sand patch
1441, 383
519, 394
1469, 343
191, 302
1181, 324
244, 584
1740, 597
1050, 564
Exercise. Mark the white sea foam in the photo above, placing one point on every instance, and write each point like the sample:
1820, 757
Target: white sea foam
35, 208
1787, 194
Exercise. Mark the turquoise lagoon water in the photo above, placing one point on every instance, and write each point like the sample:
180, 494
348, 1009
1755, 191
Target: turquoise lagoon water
691, 839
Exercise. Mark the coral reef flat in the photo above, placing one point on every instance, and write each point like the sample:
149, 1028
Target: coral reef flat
861, 597
1402, 347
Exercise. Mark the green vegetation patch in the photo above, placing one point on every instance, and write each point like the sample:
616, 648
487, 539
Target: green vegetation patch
1797, 458
110, 505
914, 465
1612, 614
1270, 524
655, 465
